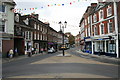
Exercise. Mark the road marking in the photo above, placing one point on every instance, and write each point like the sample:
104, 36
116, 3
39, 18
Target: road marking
72, 59
62, 75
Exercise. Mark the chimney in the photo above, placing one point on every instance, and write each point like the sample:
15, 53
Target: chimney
93, 4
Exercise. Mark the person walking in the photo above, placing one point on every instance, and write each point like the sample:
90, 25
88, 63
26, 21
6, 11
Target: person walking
29, 52
11, 53
16, 52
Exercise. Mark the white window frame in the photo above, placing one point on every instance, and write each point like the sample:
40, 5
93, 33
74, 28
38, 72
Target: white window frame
88, 19
86, 31
41, 27
103, 29
35, 26
35, 36
109, 27
41, 37
38, 36
89, 31
101, 17
95, 30
85, 21
109, 14
94, 17
38, 27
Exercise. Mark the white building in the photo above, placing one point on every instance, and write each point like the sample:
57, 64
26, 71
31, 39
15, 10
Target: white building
6, 25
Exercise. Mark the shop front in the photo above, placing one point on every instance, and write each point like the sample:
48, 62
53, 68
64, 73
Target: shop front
105, 46
88, 45
82, 45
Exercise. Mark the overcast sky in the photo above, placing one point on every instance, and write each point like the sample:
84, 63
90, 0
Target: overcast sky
59, 10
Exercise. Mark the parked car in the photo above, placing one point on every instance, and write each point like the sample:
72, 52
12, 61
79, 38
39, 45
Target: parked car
51, 50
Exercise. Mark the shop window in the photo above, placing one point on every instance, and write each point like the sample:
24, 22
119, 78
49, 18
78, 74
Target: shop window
112, 48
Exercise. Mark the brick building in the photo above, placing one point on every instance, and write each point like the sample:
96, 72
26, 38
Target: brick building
31, 32
103, 32
77, 40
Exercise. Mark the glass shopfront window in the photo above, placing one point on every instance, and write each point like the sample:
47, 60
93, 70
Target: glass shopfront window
111, 47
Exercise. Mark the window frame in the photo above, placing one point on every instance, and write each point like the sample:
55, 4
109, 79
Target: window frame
94, 18
109, 27
101, 29
109, 14
95, 30
101, 14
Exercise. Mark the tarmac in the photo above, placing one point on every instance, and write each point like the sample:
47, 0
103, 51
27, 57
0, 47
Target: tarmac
101, 58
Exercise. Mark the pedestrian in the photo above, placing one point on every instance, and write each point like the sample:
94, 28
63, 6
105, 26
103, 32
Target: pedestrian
32, 50
37, 51
41, 50
16, 52
11, 53
29, 52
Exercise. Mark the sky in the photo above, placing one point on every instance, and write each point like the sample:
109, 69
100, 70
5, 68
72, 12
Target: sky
54, 11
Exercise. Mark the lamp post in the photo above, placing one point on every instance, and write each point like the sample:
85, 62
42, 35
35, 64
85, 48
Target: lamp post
63, 26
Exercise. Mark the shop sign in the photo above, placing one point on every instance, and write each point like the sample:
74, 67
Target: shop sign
100, 39
50, 43
88, 39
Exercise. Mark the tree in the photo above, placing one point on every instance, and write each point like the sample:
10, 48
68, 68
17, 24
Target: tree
71, 39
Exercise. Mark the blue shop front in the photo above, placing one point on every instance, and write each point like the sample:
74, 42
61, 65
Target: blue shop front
88, 45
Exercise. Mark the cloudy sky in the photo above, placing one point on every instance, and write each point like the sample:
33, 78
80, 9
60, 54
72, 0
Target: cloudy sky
58, 10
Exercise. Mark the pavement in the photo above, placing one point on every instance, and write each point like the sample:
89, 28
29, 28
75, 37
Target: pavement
103, 58
5, 60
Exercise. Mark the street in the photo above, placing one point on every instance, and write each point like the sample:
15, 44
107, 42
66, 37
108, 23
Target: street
53, 66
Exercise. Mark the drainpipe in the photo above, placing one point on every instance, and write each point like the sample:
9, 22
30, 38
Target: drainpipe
116, 27
92, 38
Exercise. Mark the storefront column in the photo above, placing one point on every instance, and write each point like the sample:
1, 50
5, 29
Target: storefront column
116, 28
105, 46
92, 47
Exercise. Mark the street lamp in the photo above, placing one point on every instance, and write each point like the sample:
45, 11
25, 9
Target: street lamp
63, 26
